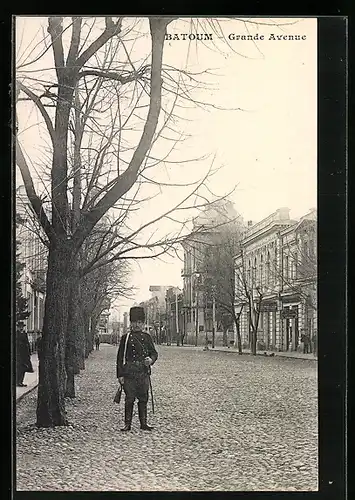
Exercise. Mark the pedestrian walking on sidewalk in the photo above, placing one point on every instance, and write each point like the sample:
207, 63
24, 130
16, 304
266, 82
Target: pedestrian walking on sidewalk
97, 342
136, 354
23, 356
305, 339
315, 343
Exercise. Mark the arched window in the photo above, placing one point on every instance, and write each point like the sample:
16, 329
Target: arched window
261, 270
254, 271
294, 265
286, 267
275, 266
267, 268
305, 250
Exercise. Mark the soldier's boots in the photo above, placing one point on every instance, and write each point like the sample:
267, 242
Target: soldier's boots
142, 412
128, 410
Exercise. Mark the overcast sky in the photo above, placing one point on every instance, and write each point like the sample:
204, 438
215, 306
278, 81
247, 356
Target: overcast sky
268, 147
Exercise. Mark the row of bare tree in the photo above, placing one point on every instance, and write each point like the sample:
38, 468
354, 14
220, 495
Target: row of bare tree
102, 108
110, 120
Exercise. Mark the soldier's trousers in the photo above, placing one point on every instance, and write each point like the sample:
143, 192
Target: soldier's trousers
136, 388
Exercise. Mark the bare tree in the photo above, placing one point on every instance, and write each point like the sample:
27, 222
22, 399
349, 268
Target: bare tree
88, 298
84, 82
103, 111
249, 293
64, 246
299, 265
219, 278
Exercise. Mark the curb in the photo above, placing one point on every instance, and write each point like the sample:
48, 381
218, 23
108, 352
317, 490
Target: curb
25, 393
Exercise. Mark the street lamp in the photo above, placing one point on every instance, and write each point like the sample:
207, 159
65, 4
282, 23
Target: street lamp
197, 275
213, 316
238, 309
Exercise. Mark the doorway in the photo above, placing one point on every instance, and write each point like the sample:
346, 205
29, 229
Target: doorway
273, 329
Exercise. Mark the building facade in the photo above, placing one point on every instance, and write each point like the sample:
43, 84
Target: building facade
175, 327
33, 253
156, 313
276, 280
103, 321
196, 307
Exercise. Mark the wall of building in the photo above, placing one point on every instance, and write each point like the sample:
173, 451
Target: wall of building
33, 253
217, 218
273, 259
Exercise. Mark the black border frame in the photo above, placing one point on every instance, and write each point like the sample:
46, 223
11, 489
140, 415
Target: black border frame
332, 289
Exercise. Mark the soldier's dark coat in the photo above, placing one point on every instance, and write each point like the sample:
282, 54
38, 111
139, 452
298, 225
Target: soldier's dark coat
135, 373
23, 356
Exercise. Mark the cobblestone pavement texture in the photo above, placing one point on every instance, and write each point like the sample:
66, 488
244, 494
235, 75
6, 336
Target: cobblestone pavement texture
222, 422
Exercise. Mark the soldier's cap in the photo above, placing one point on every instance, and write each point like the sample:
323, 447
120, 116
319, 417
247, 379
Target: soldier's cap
136, 314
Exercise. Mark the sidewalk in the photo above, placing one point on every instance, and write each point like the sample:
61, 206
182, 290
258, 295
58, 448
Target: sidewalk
286, 354
31, 379
234, 350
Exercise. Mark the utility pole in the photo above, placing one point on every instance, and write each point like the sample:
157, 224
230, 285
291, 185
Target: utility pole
196, 318
204, 318
177, 315
167, 319
213, 318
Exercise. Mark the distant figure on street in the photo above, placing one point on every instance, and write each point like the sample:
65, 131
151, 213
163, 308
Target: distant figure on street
136, 354
23, 356
97, 342
314, 343
306, 342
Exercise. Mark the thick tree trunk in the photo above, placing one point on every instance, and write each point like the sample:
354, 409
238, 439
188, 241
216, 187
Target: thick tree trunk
76, 328
52, 376
80, 342
94, 321
239, 338
253, 341
225, 336
87, 332
70, 352
90, 334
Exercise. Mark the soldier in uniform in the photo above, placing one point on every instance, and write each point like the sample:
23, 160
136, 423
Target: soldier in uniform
136, 354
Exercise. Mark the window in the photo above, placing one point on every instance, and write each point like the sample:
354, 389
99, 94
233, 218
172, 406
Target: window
286, 269
268, 268
41, 313
29, 309
295, 264
254, 272
261, 270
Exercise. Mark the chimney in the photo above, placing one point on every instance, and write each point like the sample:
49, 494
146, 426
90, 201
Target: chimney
250, 223
283, 213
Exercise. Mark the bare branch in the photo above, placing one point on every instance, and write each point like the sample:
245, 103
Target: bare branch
111, 30
39, 105
75, 41
55, 29
35, 201
127, 179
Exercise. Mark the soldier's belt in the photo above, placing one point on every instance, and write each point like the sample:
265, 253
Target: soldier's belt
135, 367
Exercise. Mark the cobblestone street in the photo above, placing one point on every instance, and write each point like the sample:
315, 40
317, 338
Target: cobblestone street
222, 422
